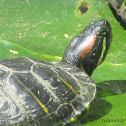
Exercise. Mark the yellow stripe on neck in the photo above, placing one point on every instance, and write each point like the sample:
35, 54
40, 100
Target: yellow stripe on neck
42, 105
67, 84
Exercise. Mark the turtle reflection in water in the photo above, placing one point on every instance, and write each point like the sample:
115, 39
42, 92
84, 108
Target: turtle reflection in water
38, 93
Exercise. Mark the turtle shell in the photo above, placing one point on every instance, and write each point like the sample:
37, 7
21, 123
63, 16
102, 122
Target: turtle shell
39, 93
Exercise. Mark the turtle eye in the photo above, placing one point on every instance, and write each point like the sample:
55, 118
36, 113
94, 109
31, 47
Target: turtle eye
103, 32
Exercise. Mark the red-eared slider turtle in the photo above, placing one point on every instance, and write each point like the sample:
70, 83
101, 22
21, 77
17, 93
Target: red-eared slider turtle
38, 93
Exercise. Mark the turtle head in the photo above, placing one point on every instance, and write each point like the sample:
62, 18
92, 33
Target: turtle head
89, 49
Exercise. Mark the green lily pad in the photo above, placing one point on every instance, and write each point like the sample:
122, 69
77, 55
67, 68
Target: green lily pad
43, 25
116, 115
115, 86
110, 71
9, 50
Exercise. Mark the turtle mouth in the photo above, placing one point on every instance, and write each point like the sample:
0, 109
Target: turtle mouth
102, 53
105, 35
108, 38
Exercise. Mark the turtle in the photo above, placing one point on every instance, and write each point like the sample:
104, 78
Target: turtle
39, 93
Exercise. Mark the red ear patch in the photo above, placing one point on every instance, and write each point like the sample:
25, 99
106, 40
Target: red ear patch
88, 47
